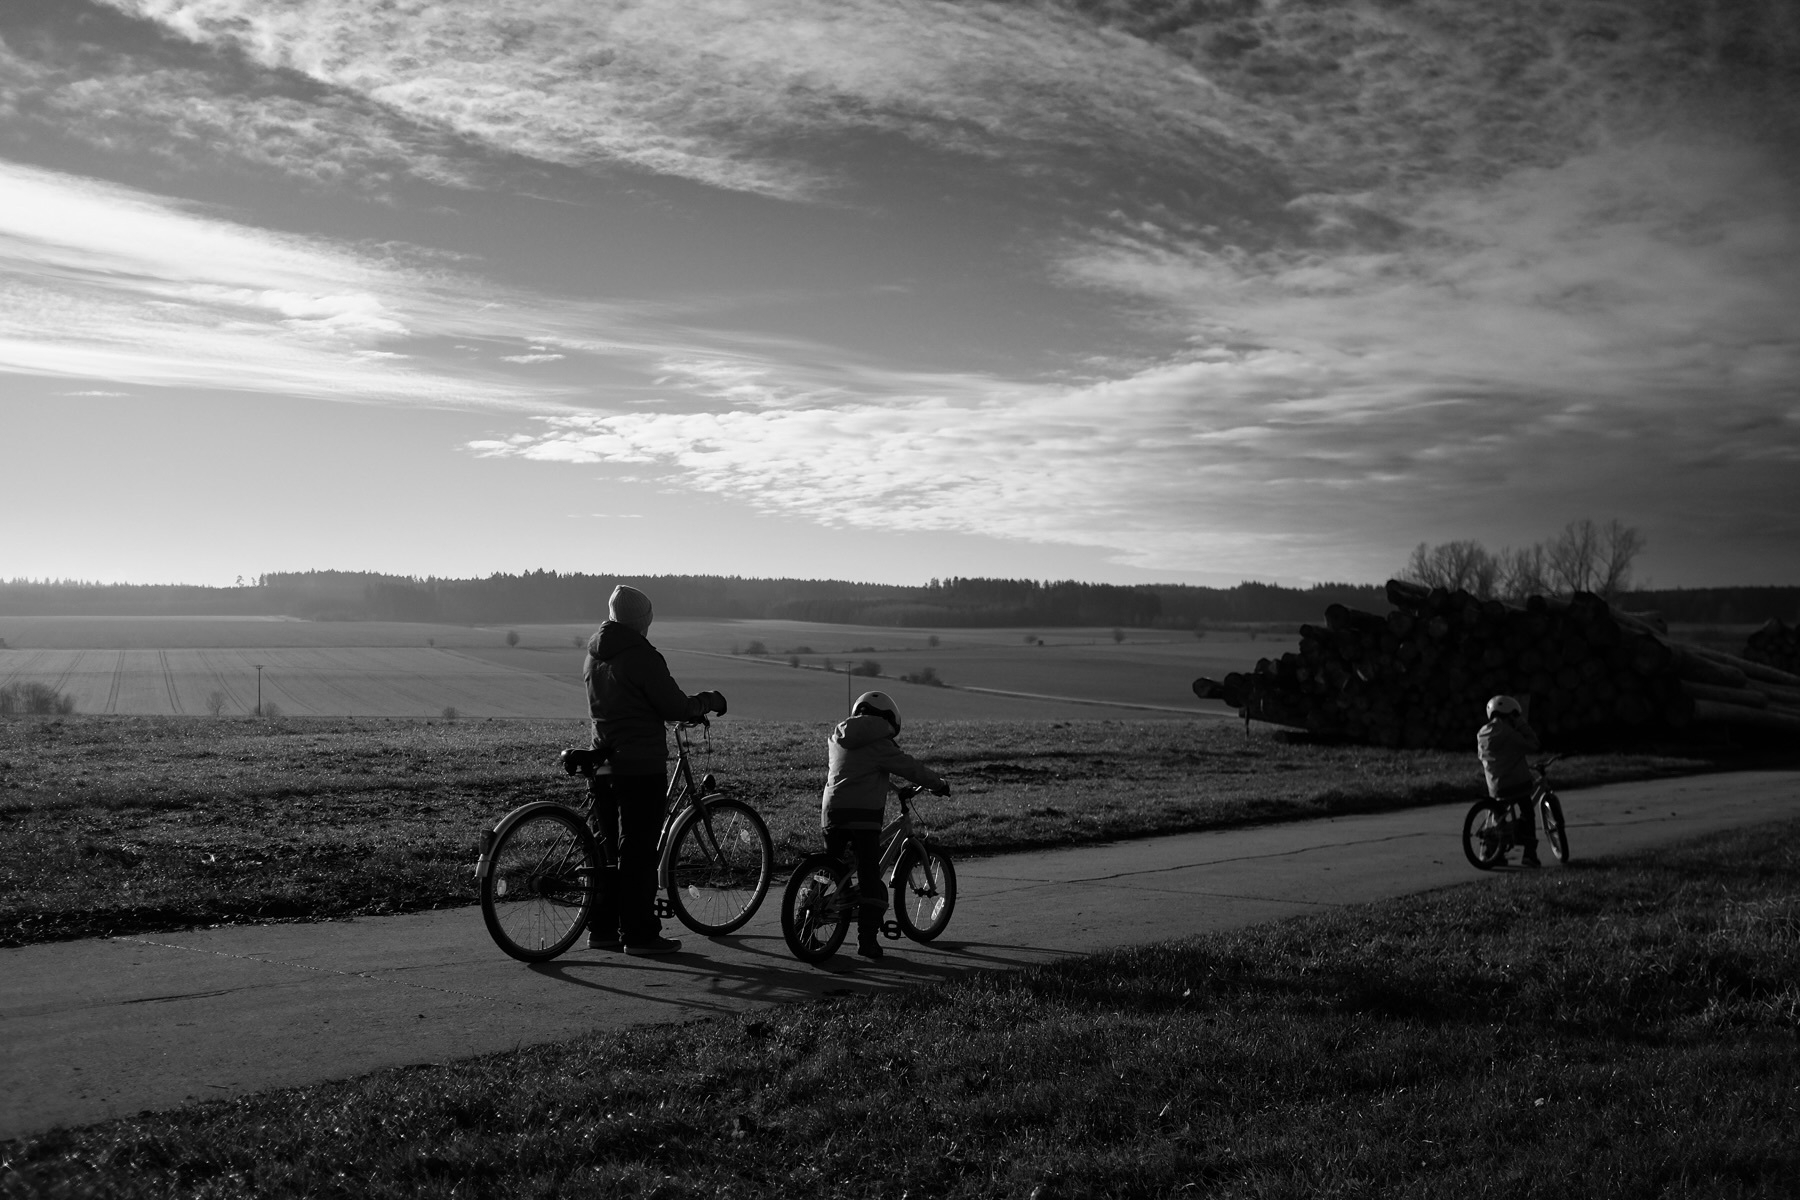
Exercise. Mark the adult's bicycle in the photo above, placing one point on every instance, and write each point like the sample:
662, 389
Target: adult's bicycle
822, 895
1493, 827
540, 867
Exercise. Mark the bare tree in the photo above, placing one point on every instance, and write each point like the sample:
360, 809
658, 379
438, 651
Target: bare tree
1586, 557
1454, 566
215, 703
1570, 556
1522, 573
1621, 544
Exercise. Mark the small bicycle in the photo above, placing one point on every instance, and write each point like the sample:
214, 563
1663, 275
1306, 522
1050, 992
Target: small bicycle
1492, 827
821, 897
540, 865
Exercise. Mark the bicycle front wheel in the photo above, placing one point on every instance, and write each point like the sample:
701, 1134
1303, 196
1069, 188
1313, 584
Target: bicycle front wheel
816, 907
720, 860
1484, 834
538, 888
924, 892
1555, 831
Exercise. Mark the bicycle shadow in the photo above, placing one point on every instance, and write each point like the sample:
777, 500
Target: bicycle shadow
756, 969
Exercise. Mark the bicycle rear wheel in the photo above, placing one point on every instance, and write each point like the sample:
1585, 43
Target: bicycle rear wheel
924, 893
1484, 837
720, 860
1555, 831
816, 907
537, 890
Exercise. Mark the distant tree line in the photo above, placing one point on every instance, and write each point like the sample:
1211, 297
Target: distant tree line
542, 597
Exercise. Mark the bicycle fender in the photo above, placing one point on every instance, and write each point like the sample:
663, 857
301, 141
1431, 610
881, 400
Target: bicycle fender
492, 833
890, 865
665, 844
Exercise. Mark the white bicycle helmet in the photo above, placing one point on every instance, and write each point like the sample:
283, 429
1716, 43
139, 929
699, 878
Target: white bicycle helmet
879, 704
1503, 706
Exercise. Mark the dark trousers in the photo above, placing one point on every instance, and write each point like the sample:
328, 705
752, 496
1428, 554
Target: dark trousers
1525, 830
627, 818
864, 845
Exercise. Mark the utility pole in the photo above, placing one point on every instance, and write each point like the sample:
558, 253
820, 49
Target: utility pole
259, 689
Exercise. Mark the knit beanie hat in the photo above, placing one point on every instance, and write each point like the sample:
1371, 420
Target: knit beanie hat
629, 607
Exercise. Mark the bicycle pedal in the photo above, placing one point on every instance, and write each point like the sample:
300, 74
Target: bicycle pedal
662, 908
891, 931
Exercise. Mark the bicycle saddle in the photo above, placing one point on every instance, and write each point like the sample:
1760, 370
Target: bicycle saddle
577, 761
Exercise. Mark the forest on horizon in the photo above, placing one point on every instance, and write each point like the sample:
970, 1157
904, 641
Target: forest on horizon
549, 597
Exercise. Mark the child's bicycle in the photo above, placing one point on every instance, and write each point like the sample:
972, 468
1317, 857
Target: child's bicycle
821, 897
540, 865
1493, 827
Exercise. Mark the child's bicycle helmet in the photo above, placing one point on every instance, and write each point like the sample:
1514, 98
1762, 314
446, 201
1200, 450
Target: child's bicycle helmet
1503, 706
878, 704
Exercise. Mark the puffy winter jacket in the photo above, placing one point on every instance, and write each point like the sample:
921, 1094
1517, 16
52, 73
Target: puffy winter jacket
863, 755
1503, 746
630, 695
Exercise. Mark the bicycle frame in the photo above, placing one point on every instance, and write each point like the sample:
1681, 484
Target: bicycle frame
1532, 813
898, 835
682, 794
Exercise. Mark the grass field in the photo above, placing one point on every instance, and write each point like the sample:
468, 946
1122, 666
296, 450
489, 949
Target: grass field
123, 824
1616, 1029
175, 665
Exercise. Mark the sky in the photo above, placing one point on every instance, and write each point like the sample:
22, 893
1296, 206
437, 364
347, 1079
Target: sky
1193, 291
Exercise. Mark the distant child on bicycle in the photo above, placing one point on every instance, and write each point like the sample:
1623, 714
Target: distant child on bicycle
863, 755
1503, 744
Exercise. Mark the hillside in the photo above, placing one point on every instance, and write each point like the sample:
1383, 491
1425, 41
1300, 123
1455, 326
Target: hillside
547, 596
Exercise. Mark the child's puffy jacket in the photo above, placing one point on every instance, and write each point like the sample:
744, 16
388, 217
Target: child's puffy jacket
863, 755
1503, 747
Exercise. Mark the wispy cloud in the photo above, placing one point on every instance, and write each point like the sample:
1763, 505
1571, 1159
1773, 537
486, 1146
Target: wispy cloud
712, 90
1576, 339
99, 281
202, 116
104, 282
1398, 260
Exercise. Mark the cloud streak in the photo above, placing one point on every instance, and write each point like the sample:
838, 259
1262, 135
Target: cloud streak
1387, 265
99, 281
1575, 339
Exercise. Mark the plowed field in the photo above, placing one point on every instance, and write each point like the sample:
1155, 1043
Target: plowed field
174, 665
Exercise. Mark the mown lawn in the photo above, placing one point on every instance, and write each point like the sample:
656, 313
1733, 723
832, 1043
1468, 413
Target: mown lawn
133, 824
1616, 1029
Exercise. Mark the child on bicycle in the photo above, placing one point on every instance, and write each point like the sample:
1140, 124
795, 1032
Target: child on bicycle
863, 754
1503, 744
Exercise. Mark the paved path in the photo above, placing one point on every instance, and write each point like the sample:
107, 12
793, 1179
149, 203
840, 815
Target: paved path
105, 1028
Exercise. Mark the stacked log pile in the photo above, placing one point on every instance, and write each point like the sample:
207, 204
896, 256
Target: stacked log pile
1776, 644
1421, 675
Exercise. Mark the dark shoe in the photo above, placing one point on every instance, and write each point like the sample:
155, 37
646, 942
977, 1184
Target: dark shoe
1530, 859
599, 941
869, 948
661, 945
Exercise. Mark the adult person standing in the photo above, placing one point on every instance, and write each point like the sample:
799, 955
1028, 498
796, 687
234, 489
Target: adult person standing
630, 695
